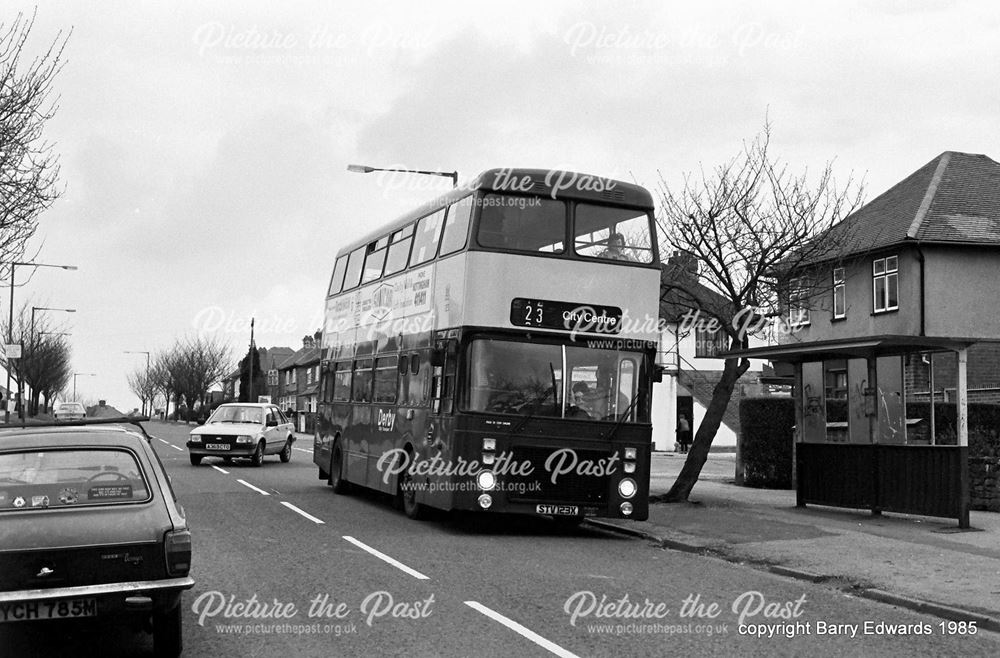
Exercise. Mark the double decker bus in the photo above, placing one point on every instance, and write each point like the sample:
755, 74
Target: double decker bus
494, 350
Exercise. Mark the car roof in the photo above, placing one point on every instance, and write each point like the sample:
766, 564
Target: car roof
72, 436
248, 404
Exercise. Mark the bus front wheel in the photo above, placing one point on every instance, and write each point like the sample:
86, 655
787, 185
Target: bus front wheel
337, 481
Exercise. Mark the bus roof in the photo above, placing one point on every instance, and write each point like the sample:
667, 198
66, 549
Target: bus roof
556, 183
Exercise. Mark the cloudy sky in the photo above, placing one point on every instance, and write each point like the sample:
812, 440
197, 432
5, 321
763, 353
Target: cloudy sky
204, 147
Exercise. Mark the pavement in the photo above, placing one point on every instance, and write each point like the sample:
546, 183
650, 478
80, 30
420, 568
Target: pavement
921, 563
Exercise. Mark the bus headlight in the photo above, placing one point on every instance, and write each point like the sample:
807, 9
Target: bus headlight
489, 458
487, 480
630, 453
630, 467
485, 501
627, 488
489, 444
626, 509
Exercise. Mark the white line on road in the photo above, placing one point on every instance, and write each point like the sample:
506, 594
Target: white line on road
518, 628
303, 450
224, 472
247, 484
382, 556
175, 447
162, 441
305, 514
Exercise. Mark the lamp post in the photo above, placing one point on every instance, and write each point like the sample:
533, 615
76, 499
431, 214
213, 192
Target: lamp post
10, 321
45, 308
365, 169
80, 374
147, 377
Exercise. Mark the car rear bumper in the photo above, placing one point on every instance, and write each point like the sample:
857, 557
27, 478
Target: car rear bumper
138, 587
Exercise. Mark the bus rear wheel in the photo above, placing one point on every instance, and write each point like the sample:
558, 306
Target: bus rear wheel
407, 495
337, 481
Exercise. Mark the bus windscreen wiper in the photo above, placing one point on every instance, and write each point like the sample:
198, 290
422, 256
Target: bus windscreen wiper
535, 402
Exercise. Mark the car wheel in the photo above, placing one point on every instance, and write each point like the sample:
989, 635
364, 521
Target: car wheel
407, 494
286, 453
337, 481
195, 460
257, 459
168, 641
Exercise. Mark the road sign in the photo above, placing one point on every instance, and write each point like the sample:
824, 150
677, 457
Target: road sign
12, 351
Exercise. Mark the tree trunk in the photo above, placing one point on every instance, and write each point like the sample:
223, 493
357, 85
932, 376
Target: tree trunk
698, 453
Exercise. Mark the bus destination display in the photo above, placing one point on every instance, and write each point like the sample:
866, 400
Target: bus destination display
567, 316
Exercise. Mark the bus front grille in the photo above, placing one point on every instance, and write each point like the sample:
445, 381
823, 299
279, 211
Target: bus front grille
571, 487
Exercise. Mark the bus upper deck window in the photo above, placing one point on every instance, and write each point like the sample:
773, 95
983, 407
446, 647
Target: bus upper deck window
519, 223
612, 233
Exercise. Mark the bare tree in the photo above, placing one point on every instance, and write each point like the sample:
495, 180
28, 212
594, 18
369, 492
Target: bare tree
29, 167
191, 367
143, 385
744, 223
45, 357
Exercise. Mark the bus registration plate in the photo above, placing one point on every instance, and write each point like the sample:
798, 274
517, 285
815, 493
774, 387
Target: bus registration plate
558, 510
64, 609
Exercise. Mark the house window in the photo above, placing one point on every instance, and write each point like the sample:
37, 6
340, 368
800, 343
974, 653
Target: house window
309, 376
839, 294
798, 302
885, 284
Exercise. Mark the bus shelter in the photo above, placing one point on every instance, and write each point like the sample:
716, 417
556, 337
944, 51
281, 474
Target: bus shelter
854, 445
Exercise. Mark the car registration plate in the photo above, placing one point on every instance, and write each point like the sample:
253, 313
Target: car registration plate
558, 510
61, 609
217, 446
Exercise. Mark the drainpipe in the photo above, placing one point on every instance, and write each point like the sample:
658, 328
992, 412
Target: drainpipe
920, 258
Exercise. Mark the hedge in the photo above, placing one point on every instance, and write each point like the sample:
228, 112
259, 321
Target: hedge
766, 441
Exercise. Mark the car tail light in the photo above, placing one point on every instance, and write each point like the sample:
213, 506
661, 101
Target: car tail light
177, 547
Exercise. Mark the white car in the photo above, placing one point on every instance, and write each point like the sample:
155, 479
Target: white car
69, 411
248, 430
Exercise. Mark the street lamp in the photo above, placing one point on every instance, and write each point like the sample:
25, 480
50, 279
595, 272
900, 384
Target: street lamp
10, 322
46, 308
80, 374
147, 379
365, 169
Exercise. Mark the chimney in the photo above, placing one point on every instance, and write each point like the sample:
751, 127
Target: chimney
683, 263
307, 341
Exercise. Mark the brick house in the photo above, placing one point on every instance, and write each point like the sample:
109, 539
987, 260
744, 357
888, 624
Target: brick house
298, 377
270, 357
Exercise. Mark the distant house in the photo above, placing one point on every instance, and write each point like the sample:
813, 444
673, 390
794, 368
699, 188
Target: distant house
270, 358
298, 377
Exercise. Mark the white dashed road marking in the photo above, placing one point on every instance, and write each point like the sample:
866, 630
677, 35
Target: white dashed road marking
299, 511
250, 486
385, 558
518, 628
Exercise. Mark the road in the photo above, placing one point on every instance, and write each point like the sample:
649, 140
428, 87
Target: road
285, 567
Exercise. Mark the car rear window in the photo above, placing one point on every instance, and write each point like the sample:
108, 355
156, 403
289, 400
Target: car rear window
77, 477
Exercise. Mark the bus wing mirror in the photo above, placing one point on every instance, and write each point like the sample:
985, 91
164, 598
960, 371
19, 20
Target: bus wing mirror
658, 371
